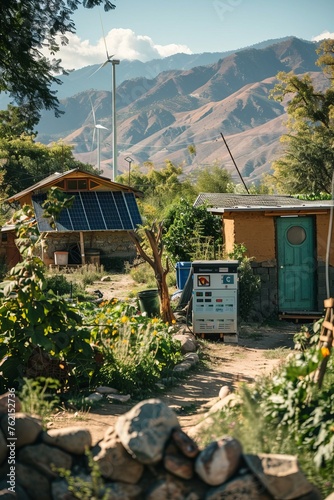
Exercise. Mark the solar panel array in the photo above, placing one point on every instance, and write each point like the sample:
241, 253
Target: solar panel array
92, 211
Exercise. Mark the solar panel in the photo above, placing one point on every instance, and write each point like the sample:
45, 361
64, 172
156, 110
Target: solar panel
109, 210
77, 215
92, 211
133, 208
122, 209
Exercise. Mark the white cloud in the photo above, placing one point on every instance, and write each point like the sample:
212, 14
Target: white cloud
123, 43
323, 36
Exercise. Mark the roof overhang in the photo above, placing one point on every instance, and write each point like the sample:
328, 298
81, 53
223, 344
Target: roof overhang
272, 211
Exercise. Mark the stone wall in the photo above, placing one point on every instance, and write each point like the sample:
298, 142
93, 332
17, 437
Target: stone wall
146, 455
267, 301
111, 244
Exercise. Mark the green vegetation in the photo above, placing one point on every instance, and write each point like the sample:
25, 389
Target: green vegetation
136, 350
42, 334
287, 413
90, 488
27, 27
307, 164
39, 397
191, 232
249, 283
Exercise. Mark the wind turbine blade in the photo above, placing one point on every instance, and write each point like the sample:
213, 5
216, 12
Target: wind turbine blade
104, 39
100, 67
93, 140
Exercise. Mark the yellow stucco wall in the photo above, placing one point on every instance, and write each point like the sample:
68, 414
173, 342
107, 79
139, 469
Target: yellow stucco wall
322, 224
255, 230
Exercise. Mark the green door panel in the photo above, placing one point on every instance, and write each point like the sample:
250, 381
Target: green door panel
296, 263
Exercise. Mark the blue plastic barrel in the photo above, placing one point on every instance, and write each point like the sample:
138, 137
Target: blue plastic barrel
182, 273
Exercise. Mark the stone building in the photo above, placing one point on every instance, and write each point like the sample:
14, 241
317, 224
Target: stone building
94, 229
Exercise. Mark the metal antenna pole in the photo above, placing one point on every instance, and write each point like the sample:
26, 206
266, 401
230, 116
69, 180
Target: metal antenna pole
98, 151
99, 128
228, 149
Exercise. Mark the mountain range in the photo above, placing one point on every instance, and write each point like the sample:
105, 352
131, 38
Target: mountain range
167, 105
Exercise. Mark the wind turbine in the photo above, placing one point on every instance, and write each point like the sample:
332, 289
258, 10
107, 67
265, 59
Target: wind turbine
98, 128
113, 62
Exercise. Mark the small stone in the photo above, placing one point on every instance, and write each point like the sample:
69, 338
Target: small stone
219, 461
184, 443
182, 367
231, 400
72, 439
192, 358
105, 278
188, 343
122, 398
166, 489
94, 397
224, 391
179, 465
106, 390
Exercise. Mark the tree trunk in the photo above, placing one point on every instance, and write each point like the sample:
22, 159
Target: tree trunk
155, 240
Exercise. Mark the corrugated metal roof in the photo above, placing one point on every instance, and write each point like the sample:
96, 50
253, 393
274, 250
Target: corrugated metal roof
230, 201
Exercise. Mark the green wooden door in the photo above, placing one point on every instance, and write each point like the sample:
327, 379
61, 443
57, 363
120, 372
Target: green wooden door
296, 263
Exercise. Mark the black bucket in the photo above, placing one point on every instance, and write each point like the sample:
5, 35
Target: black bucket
149, 302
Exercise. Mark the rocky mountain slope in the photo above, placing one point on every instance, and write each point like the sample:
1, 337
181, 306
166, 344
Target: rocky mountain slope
158, 118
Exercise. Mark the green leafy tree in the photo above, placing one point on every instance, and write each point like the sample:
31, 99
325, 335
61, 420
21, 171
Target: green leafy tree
213, 179
160, 188
27, 27
186, 226
307, 164
13, 123
25, 162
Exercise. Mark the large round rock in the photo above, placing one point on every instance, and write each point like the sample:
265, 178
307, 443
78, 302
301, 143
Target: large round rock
219, 460
145, 429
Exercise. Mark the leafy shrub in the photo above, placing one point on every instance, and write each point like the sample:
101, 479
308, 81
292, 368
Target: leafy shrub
249, 283
137, 350
41, 335
39, 397
307, 337
58, 284
186, 226
288, 413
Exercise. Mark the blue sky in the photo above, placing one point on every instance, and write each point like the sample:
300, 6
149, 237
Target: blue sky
149, 29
